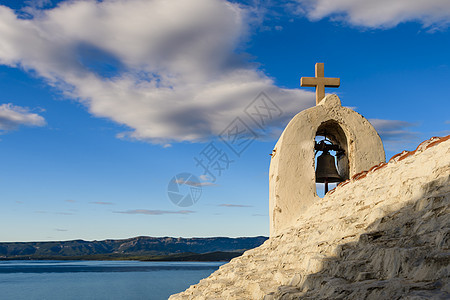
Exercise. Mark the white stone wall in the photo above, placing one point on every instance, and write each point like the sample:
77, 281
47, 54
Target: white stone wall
383, 235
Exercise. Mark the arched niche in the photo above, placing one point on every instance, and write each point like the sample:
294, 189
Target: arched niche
333, 132
292, 187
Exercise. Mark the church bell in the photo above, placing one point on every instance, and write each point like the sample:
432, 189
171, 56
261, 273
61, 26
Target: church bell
326, 169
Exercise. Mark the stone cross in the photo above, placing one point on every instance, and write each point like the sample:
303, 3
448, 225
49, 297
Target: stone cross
320, 82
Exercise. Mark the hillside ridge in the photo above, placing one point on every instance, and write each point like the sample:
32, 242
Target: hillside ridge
137, 246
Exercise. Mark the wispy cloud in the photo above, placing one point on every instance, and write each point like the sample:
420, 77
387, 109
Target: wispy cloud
394, 129
64, 213
19, 202
206, 180
396, 135
12, 117
204, 177
194, 183
379, 14
70, 201
206, 184
56, 213
102, 203
233, 205
155, 212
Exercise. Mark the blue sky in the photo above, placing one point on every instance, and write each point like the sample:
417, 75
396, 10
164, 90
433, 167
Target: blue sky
103, 103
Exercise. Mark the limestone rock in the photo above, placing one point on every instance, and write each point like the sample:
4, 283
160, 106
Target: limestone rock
385, 234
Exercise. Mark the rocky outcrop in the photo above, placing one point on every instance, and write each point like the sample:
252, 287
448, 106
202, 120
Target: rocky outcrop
385, 234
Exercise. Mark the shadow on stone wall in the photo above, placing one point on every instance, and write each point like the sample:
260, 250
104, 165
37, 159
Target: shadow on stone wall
403, 255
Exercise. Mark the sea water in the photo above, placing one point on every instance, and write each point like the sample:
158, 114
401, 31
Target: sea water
99, 279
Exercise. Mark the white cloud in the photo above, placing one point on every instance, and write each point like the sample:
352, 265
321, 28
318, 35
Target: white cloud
205, 184
169, 70
380, 13
11, 117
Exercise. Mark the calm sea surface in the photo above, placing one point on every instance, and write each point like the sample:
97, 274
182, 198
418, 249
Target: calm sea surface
99, 279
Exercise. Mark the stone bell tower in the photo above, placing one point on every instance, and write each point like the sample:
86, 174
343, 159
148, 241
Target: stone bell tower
292, 175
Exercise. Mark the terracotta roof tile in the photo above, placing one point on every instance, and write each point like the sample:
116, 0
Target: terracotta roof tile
398, 157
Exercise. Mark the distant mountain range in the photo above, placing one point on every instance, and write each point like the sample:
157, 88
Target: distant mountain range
138, 248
